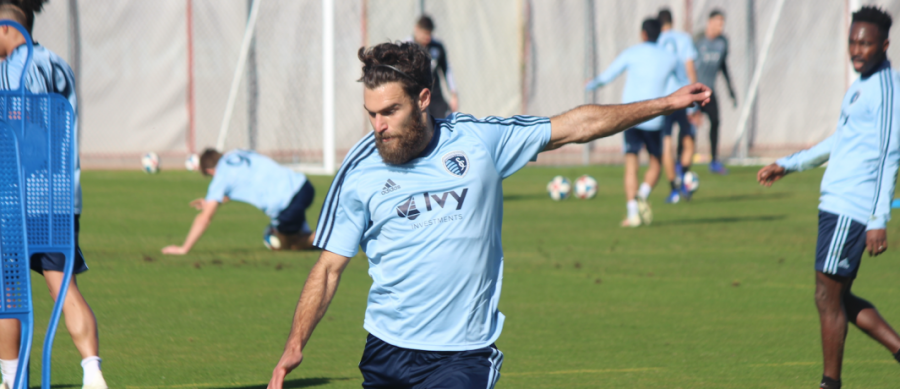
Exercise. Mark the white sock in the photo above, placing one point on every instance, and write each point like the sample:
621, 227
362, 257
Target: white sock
8, 368
632, 208
644, 191
91, 366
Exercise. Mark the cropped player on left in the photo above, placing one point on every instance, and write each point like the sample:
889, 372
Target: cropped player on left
47, 73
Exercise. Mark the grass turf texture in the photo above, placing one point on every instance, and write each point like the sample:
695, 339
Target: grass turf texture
717, 293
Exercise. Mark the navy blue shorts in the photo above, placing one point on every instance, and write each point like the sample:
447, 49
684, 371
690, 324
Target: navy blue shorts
57, 261
636, 139
386, 366
840, 246
293, 218
685, 128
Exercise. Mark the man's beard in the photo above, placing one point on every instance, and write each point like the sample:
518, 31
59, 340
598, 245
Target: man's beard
404, 147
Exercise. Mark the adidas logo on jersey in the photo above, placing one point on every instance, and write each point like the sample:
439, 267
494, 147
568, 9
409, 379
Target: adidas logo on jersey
389, 187
408, 209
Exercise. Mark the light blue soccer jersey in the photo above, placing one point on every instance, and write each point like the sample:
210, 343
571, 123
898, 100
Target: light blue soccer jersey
682, 45
252, 178
649, 69
431, 229
864, 152
48, 73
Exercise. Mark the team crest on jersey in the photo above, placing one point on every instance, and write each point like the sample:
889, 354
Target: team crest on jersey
457, 163
854, 97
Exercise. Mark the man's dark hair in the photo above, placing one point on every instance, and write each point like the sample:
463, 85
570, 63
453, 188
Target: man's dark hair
876, 16
652, 28
403, 62
425, 23
665, 16
209, 159
716, 12
28, 8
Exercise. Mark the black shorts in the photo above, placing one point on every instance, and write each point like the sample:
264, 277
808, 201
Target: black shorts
636, 139
293, 218
685, 128
840, 246
57, 261
387, 366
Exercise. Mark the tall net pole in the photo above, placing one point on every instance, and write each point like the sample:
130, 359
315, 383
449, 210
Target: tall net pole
590, 66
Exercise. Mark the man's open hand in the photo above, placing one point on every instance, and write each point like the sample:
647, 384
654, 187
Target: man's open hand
769, 174
683, 98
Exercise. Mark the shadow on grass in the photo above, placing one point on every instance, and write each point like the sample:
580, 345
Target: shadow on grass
742, 197
292, 384
714, 220
524, 196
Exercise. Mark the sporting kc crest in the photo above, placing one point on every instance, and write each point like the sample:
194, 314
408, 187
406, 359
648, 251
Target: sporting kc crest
457, 163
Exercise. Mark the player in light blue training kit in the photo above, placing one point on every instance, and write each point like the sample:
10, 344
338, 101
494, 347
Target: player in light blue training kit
649, 70
48, 73
855, 206
423, 198
682, 45
245, 176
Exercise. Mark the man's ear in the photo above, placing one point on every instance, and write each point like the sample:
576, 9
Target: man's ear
887, 43
424, 99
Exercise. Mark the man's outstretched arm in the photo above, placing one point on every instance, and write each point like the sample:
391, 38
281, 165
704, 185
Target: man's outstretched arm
198, 227
588, 122
320, 287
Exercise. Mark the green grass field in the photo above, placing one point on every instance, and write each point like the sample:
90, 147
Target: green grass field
717, 293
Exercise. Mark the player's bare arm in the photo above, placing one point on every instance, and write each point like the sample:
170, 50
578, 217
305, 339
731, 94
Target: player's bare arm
320, 288
201, 222
589, 122
769, 174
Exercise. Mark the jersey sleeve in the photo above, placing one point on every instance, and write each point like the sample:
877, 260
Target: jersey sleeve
688, 50
889, 159
809, 158
515, 141
219, 187
614, 70
343, 218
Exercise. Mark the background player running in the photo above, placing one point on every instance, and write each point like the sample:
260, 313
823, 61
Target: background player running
422, 34
712, 49
48, 73
649, 69
242, 175
863, 156
680, 44
433, 243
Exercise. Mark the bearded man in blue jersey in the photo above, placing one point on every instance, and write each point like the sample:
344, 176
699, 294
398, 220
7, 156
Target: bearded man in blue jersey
855, 206
423, 197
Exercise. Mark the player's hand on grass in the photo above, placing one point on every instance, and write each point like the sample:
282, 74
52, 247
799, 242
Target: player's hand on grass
174, 250
695, 93
197, 204
769, 174
289, 361
876, 242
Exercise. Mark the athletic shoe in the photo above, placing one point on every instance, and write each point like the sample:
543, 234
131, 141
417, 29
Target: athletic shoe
644, 211
673, 198
685, 194
631, 222
97, 383
717, 168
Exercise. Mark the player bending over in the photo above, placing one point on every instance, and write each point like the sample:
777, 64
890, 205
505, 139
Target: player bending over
432, 237
857, 188
649, 70
680, 44
242, 175
48, 73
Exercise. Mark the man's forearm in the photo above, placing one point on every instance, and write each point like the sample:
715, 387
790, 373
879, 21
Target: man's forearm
198, 227
317, 294
597, 121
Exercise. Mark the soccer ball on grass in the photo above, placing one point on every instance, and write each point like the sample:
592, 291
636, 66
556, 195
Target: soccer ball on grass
691, 181
585, 187
559, 188
150, 163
